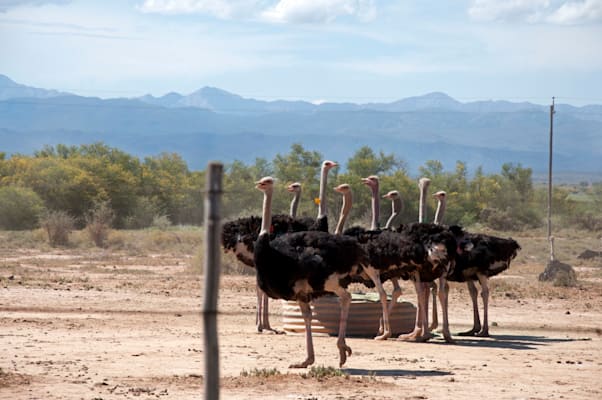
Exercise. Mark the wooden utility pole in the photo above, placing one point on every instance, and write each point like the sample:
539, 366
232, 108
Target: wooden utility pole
550, 238
211, 270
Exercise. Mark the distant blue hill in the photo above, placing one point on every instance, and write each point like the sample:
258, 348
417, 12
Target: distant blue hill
212, 124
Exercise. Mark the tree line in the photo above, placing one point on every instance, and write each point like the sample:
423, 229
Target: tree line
81, 180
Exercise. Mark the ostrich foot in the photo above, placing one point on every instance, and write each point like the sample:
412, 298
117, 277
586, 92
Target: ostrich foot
382, 336
471, 332
268, 329
412, 336
426, 337
309, 361
381, 327
483, 333
344, 351
448, 338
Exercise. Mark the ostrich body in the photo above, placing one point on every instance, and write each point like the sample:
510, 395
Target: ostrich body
479, 258
239, 236
302, 266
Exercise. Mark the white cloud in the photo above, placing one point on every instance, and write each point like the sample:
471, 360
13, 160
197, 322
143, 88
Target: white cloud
310, 11
574, 12
537, 11
492, 10
8, 4
218, 8
288, 11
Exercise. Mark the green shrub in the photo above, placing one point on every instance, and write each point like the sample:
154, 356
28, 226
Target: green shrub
20, 208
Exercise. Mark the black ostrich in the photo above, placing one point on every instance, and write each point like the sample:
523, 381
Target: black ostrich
302, 266
374, 270
441, 197
419, 252
480, 257
240, 235
424, 277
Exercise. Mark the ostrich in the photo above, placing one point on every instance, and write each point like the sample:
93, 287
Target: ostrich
373, 271
438, 220
421, 251
302, 266
239, 236
424, 277
480, 257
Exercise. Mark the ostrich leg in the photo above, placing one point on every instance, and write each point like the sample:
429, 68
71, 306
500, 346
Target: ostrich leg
435, 321
306, 313
345, 302
375, 277
418, 332
395, 294
483, 280
443, 299
476, 324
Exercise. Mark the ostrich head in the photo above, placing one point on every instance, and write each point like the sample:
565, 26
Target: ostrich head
343, 188
440, 195
392, 195
371, 181
327, 165
265, 184
294, 187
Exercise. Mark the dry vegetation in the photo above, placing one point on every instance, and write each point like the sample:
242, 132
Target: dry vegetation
81, 322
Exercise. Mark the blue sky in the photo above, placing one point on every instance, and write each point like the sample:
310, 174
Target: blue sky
329, 50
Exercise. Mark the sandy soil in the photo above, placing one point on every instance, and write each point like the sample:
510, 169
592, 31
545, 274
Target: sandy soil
110, 326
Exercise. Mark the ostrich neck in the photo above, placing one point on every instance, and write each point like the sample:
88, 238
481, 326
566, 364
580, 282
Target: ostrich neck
375, 208
266, 220
395, 210
440, 213
295, 204
323, 207
422, 206
345, 208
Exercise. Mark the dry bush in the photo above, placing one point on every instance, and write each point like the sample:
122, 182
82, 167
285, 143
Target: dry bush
98, 223
58, 226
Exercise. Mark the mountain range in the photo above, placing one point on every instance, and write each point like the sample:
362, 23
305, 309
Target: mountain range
213, 124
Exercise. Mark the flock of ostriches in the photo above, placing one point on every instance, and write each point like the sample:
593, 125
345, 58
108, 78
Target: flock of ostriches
298, 259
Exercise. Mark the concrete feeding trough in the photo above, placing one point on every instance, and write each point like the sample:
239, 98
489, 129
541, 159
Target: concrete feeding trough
364, 316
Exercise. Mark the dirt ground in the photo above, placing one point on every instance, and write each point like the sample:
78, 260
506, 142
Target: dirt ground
101, 325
